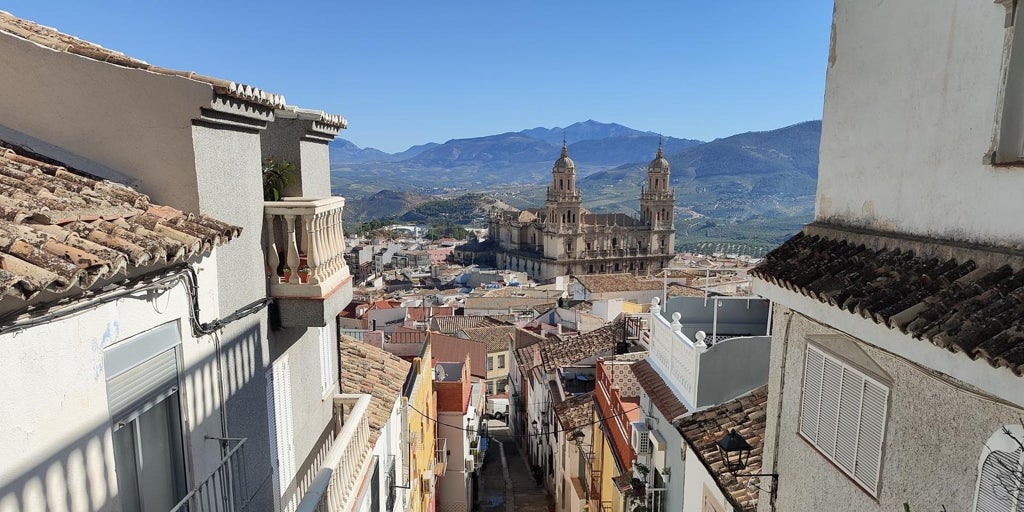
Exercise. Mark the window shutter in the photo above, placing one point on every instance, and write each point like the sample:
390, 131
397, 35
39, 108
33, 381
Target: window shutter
811, 394
280, 393
872, 431
326, 366
996, 480
843, 414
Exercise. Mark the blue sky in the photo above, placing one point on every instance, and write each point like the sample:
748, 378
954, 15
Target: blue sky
406, 73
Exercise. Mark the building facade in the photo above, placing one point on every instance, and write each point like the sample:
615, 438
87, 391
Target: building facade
564, 238
902, 299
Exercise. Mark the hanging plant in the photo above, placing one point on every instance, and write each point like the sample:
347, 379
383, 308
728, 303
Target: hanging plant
277, 175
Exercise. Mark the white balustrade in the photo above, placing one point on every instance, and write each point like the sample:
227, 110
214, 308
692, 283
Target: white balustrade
346, 463
308, 234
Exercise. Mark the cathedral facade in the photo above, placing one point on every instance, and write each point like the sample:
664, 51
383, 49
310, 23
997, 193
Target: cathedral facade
564, 238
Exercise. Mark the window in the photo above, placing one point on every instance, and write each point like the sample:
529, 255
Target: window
328, 349
1000, 483
144, 403
501, 361
1010, 134
502, 386
490, 363
842, 414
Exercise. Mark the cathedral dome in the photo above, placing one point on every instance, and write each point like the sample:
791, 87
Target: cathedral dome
564, 163
659, 164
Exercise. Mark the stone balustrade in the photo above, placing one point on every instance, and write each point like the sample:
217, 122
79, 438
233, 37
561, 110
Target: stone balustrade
346, 464
305, 246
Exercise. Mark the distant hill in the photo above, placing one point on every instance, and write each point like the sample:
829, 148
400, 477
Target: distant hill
585, 130
615, 150
342, 150
749, 190
490, 150
413, 151
385, 203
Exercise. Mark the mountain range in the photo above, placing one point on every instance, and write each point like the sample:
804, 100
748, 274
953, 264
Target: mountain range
723, 186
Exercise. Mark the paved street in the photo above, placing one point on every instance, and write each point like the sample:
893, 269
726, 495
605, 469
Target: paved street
509, 487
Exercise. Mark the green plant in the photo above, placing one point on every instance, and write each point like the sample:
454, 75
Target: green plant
277, 175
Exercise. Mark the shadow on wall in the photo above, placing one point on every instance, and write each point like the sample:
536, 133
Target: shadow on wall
81, 476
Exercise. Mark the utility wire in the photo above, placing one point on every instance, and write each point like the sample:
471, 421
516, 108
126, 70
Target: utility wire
574, 428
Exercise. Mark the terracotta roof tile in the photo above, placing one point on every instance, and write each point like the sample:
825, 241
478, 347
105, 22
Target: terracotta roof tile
497, 339
449, 349
574, 349
60, 230
454, 323
660, 394
609, 283
576, 411
370, 370
956, 305
702, 431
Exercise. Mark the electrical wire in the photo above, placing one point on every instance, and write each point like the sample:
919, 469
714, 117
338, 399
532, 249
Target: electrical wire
550, 432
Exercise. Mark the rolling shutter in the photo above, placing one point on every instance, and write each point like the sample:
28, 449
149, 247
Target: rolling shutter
141, 371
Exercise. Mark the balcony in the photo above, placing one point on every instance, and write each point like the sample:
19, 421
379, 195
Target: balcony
221, 490
346, 465
306, 268
441, 456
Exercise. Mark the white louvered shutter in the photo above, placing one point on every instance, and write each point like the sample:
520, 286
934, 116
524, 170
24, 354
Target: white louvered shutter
275, 460
281, 405
843, 414
326, 360
998, 481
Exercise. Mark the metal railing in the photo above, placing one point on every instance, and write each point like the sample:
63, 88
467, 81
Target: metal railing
346, 463
222, 489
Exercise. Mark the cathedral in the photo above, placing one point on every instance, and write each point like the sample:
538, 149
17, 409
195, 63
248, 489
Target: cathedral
564, 238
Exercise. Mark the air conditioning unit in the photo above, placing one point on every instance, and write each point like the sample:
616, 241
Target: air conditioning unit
640, 441
470, 465
658, 446
427, 481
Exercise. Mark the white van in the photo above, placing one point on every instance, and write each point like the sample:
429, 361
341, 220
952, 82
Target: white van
497, 408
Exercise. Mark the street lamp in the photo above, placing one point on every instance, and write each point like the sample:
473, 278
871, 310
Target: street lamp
735, 450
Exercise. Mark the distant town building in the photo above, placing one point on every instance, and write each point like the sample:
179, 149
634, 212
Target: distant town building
565, 238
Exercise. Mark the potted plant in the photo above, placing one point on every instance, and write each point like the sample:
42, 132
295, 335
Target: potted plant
277, 175
286, 274
303, 272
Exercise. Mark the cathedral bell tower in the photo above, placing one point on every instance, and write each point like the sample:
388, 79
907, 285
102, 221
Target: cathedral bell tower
564, 202
657, 205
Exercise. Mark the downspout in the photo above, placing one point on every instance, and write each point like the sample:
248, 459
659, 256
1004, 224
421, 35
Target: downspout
778, 416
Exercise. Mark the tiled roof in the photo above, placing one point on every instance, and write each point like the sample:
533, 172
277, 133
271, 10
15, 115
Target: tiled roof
421, 313
679, 290
574, 349
702, 431
60, 229
455, 323
576, 411
957, 305
369, 370
507, 303
496, 339
660, 394
55, 40
449, 349
608, 283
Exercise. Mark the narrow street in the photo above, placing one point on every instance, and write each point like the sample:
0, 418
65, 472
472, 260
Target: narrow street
509, 486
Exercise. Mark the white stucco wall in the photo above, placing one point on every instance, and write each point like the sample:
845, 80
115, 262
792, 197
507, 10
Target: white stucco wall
700, 492
57, 428
934, 434
124, 118
911, 105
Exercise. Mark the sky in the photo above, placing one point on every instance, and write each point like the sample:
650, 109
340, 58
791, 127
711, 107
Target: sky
406, 73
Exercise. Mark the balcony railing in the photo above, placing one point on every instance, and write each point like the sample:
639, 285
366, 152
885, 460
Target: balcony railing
305, 246
333, 488
441, 456
221, 490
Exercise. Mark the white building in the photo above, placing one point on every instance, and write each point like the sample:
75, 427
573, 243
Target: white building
902, 300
